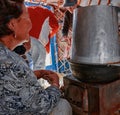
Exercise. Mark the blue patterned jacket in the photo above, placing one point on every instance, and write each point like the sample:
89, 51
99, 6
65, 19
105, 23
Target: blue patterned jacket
20, 92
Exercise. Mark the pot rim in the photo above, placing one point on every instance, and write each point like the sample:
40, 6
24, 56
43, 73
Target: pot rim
116, 64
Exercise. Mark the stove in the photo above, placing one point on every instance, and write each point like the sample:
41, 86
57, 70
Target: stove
92, 99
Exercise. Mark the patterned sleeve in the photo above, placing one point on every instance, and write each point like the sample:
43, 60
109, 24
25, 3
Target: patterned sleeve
21, 93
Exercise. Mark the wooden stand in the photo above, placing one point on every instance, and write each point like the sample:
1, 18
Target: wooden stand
89, 99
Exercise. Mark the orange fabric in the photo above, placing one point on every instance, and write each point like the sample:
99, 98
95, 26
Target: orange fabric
47, 47
38, 15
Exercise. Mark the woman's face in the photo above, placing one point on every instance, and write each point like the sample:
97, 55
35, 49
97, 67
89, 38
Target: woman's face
23, 26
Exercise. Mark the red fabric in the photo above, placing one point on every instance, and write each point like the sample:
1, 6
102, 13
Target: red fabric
38, 15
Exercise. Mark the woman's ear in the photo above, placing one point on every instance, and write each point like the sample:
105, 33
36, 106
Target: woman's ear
12, 24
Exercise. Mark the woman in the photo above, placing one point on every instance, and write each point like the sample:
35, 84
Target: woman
20, 93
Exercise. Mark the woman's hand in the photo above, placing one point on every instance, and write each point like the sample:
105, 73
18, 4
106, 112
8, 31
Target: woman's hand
48, 75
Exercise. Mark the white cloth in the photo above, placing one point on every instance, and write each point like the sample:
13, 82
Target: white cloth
38, 54
63, 108
44, 34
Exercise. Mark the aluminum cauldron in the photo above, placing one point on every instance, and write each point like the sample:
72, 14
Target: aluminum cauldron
95, 35
95, 73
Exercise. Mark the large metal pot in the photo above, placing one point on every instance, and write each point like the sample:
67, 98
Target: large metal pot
94, 73
95, 35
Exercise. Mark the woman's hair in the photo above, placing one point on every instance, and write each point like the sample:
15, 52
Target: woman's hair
9, 9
